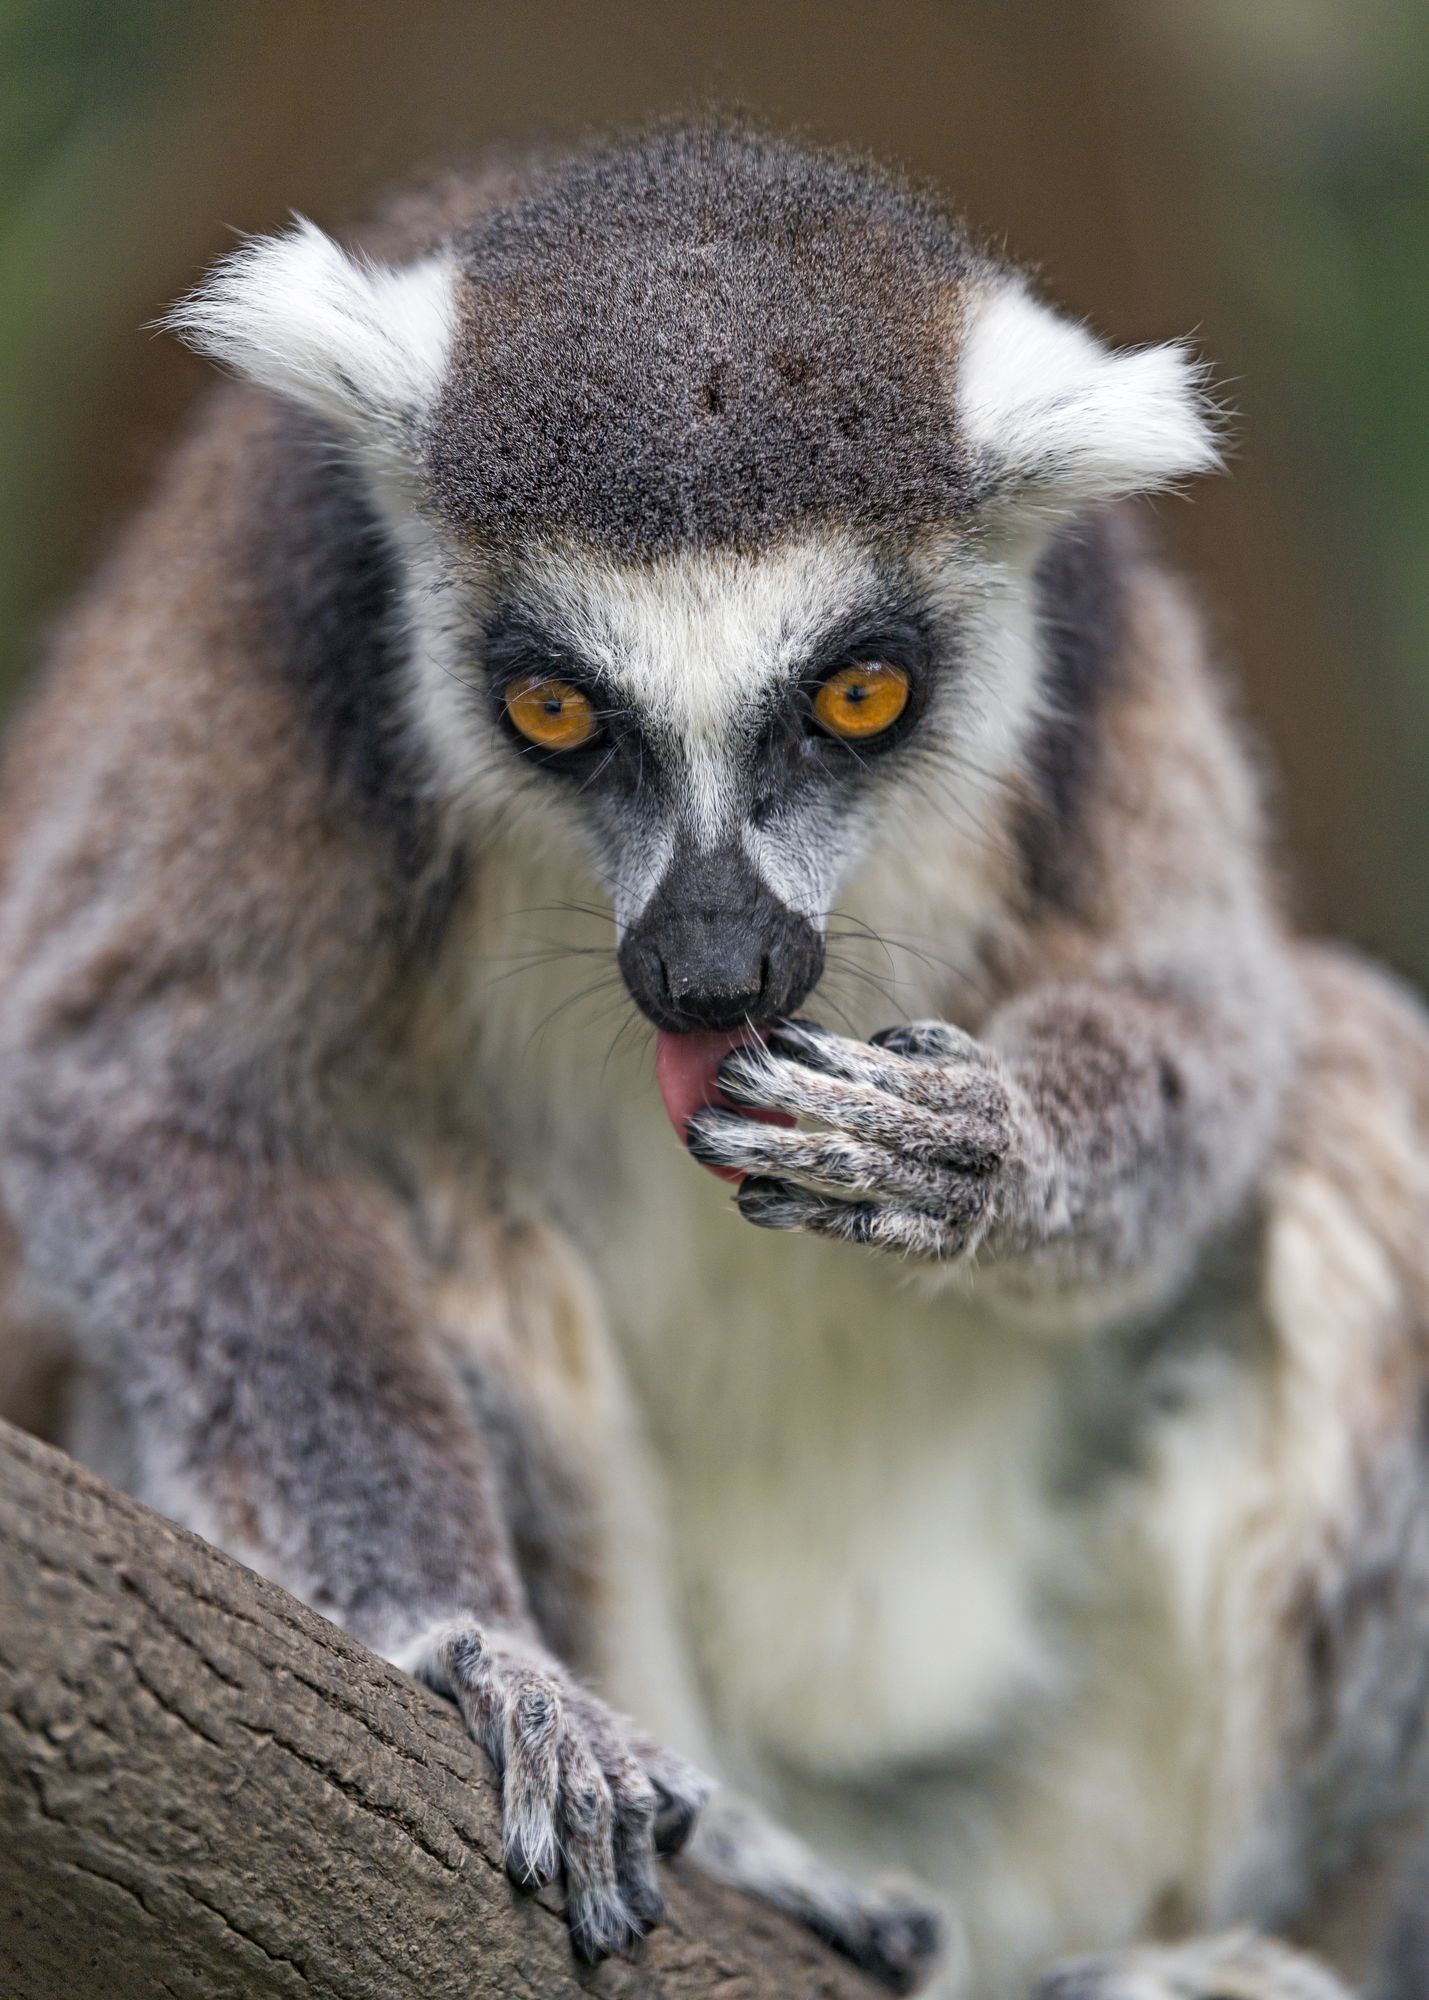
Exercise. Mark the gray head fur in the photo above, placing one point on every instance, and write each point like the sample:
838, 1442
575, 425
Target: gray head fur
703, 336
687, 418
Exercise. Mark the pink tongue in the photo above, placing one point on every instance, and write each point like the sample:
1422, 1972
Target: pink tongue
686, 1068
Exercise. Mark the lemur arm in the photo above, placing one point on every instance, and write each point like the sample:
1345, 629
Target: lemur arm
1141, 1106
1090, 1136
1126, 1076
259, 1318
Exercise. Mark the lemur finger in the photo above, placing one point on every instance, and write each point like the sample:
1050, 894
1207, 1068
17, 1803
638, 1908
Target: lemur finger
464, 1665
837, 1055
514, 1711
635, 1803
897, 1946
635, 1808
595, 1908
897, 1059
894, 1940
830, 1159
681, 1792
928, 1041
969, 1132
530, 1780
909, 1232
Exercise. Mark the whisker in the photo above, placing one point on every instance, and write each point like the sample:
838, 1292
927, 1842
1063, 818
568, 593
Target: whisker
528, 961
833, 1005
857, 930
570, 1000
630, 1027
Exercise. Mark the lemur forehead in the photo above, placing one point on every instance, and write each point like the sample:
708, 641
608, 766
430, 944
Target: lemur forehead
703, 338
695, 639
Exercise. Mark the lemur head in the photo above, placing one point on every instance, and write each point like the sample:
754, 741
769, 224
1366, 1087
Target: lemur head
717, 468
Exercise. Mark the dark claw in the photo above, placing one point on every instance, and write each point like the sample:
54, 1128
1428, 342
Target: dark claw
902, 1945
900, 1041
896, 1946
799, 1040
524, 1871
770, 1203
731, 1079
646, 1906
702, 1138
598, 1929
590, 1949
929, 1041
674, 1820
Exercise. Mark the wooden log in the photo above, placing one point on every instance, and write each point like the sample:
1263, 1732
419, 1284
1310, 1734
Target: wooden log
207, 1791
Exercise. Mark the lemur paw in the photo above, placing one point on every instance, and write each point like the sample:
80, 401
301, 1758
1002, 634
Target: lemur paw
916, 1149
584, 1795
1238, 1966
897, 1944
894, 1938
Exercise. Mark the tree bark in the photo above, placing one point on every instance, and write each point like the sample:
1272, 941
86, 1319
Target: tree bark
207, 1790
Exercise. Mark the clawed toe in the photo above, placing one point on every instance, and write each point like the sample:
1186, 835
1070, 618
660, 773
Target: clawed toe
903, 1944
585, 1799
600, 1926
676, 1814
897, 1944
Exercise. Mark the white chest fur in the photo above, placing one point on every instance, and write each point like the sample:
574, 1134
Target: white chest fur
855, 1491
879, 1561
853, 1468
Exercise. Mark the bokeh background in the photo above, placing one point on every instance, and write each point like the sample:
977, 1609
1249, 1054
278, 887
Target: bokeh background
1255, 172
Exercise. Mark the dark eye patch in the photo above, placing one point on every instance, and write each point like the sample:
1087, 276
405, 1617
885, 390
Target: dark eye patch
516, 647
898, 639
902, 639
514, 644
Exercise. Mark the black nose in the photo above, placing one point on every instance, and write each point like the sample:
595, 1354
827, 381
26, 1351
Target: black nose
715, 948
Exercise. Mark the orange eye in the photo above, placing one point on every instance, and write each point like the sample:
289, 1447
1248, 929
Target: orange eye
551, 713
862, 701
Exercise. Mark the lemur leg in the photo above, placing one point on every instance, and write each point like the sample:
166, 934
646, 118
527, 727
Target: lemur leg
512, 1303
584, 1795
896, 1939
516, 1307
262, 1326
1237, 1966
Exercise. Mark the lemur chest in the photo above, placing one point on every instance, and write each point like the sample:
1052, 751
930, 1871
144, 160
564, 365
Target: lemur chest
855, 1472
860, 1521
856, 1498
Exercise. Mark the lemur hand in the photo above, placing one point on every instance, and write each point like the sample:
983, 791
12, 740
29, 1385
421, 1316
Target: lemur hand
921, 1148
584, 1796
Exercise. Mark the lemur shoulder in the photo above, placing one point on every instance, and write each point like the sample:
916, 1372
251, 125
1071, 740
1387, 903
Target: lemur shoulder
690, 572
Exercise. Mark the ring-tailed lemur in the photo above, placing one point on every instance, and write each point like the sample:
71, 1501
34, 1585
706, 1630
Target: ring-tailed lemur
699, 532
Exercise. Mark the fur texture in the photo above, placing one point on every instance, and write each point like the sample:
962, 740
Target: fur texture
1072, 1558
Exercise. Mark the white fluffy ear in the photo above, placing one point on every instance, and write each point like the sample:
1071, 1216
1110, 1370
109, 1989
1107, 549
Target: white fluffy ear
361, 343
1055, 416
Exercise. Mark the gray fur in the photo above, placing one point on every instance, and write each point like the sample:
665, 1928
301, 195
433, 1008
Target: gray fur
891, 1936
703, 336
1235, 1967
578, 1799
286, 1171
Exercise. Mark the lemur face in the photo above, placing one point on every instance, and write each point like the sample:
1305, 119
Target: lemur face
714, 465
725, 727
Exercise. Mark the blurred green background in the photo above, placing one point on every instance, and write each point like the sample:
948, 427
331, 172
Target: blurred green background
1253, 171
